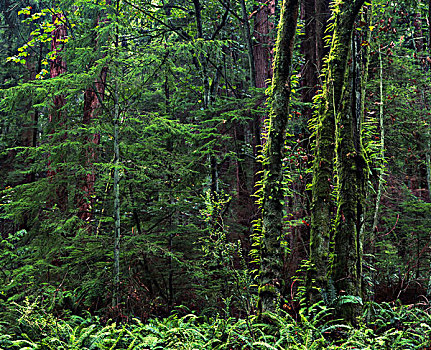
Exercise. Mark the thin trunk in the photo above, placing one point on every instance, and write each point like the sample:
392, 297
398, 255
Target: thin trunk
136, 218
428, 160
198, 17
367, 17
428, 152
206, 97
249, 42
117, 229
382, 156
271, 282
429, 25
117, 225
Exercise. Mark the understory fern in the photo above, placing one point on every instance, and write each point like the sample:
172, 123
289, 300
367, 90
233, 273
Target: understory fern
387, 326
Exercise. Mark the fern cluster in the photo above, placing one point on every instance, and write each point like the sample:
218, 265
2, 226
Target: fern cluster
383, 326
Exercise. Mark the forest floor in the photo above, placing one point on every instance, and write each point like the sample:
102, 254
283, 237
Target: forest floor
382, 326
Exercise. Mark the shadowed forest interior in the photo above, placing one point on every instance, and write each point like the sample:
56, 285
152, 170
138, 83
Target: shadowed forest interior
215, 174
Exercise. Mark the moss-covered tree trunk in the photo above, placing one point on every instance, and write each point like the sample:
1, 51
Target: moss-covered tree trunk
334, 100
272, 215
346, 269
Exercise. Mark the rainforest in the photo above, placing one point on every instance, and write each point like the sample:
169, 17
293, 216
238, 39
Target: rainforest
215, 174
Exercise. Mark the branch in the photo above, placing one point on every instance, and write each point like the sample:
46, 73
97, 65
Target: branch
357, 6
230, 10
255, 12
182, 34
223, 22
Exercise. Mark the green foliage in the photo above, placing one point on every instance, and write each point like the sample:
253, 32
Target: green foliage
185, 100
164, 79
313, 328
223, 279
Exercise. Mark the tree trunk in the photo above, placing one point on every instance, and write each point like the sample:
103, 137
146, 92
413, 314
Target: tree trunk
263, 47
117, 229
249, 42
350, 162
271, 283
117, 214
334, 103
93, 97
58, 67
315, 14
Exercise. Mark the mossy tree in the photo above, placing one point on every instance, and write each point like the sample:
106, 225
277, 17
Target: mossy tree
346, 264
273, 195
336, 130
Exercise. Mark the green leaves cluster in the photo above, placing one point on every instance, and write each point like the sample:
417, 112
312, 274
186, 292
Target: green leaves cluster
382, 326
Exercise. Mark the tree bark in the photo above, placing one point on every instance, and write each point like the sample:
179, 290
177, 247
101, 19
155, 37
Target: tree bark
93, 98
58, 67
117, 227
271, 283
249, 42
334, 103
263, 47
350, 162
315, 14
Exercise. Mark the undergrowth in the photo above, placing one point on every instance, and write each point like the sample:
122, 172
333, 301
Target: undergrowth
383, 326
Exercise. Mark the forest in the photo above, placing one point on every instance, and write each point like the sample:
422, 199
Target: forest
215, 174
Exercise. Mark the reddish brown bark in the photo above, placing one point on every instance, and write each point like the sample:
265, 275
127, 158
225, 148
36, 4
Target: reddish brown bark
263, 55
315, 14
58, 67
93, 97
263, 49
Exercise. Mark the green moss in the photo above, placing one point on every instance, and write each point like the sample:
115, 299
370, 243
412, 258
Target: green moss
272, 192
334, 128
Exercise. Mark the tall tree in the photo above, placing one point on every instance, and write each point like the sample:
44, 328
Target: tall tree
315, 14
263, 49
346, 269
272, 252
57, 115
336, 109
93, 99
